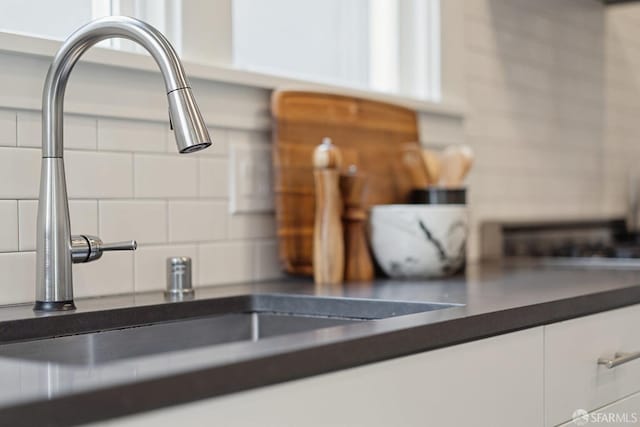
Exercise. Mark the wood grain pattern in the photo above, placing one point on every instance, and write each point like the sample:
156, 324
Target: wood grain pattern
328, 236
358, 266
369, 135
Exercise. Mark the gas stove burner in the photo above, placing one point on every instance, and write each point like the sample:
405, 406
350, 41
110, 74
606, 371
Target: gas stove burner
577, 240
584, 250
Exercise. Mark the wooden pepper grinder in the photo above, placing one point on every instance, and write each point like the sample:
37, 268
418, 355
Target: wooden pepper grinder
328, 238
358, 265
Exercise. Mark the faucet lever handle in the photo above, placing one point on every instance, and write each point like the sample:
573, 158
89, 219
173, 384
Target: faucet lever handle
129, 245
86, 248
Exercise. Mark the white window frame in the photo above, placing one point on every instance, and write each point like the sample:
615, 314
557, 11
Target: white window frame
205, 46
447, 81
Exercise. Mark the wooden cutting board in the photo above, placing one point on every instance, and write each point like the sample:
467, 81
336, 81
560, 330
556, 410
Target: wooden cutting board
369, 134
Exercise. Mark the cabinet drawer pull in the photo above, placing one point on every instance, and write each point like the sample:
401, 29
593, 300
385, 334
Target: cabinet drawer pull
619, 359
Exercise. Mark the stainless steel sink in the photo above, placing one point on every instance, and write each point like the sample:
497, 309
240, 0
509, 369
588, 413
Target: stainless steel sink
169, 327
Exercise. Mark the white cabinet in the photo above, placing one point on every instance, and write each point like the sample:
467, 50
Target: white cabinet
495, 381
573, 378
535, 377
624, 412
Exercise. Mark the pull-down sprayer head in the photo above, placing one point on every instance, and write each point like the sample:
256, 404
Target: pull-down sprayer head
187, 123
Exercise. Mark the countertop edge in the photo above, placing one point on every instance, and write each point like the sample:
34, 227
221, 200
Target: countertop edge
131, 398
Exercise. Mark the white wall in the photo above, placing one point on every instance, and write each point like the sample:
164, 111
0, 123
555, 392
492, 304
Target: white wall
622, 103
536, 93
553, 89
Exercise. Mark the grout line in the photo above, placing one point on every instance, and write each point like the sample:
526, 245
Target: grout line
246, 240
168, 221
198, 178
98, 209
116, 151
196, 272
96, 124
133, 175
18, 224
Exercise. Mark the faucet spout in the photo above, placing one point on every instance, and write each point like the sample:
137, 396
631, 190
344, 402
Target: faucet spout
55, 246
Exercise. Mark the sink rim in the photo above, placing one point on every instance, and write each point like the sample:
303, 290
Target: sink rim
86, 322
120, 345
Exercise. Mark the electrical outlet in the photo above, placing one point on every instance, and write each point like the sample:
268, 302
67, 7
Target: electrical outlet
251, 179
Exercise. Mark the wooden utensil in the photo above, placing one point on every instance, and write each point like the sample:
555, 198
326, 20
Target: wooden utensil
414, 165
456, 163
467, 154
358, 264
432, 164
369, 134
328, 236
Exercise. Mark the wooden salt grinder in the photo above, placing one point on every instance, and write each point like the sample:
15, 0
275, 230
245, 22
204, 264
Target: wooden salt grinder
358, 265
328, 237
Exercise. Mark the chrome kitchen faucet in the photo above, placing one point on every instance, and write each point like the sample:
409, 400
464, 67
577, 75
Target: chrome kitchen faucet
57, 249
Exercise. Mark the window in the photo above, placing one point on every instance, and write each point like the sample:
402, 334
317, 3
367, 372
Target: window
34, 17
391, 46
384, 45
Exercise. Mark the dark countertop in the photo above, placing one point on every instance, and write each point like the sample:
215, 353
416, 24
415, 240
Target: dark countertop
497, 299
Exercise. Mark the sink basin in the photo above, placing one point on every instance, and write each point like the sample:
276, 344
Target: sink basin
163, 328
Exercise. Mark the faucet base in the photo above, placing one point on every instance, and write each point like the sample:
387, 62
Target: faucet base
54, 306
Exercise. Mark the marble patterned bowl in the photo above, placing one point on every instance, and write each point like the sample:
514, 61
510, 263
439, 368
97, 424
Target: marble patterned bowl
419, 240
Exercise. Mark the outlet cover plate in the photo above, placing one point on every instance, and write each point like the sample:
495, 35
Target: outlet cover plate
251, 179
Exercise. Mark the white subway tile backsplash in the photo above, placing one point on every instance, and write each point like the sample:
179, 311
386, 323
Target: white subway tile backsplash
119, 192
83, 215
225, 262
99, 175
214, 177
79, 132
166, 176
112, 274
220, 143
127, 135
29, 129
8, 225
150, 265
536, 111
144, 221
251, 226
197, 221
18, 282
7, 128
247, 137
19, 173
27, 216
267, 263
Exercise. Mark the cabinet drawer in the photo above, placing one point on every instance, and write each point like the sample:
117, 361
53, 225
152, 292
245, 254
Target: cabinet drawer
489, 382
623, 412
573, 378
